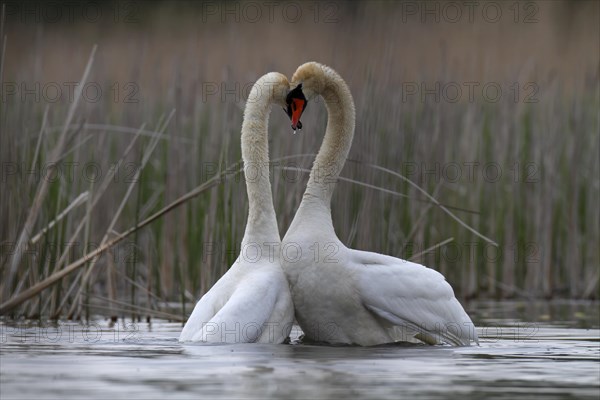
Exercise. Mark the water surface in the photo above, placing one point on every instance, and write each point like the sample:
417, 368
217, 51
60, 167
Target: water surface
551, 350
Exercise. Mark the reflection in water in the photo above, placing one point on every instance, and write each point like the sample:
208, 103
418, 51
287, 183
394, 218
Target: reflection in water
526, 348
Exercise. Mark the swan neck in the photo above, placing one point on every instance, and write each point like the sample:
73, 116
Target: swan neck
337, 140
261, 228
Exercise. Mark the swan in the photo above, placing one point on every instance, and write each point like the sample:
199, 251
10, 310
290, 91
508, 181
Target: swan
252, 301
348, 296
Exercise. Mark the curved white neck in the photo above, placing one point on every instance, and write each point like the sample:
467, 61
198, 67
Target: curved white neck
315, 207
338, 138
262, 227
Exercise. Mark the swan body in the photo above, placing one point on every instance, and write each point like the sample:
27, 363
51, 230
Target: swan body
349, 296
252, 301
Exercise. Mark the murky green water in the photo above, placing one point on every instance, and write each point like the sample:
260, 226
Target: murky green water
548, 350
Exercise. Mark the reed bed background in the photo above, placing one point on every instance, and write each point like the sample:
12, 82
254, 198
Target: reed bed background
162, 111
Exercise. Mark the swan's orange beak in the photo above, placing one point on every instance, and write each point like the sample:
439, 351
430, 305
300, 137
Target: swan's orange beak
296, 104
297, 110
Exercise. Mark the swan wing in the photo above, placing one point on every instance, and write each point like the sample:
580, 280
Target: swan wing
415, 299
244, 316
209, 305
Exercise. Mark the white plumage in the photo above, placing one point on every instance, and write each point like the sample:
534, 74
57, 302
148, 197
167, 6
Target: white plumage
343, 295
252, 301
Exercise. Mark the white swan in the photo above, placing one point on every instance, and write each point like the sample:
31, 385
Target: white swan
252, 301
343, 295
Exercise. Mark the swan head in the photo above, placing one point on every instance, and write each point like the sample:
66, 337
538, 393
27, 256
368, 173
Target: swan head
295, 105
310, 80
311, 76
271, 88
